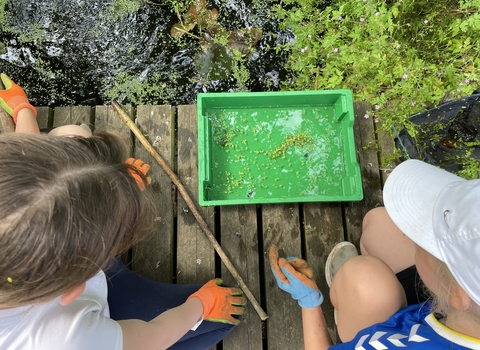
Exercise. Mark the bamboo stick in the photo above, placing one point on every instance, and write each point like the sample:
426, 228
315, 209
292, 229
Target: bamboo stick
201, 222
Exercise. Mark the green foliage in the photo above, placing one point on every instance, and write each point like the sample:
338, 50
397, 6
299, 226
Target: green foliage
401, 56
3, 13
240, 71
121, 8
179, 6
153, 90
34, 34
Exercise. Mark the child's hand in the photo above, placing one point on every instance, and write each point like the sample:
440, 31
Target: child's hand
294, 276
13, 98
143, 168
220, 303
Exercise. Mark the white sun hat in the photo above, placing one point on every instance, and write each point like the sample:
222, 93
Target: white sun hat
440, 212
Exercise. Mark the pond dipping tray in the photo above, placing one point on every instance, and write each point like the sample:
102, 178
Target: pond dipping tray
277, 147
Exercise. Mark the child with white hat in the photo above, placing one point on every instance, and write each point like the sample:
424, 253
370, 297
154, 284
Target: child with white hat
431, 221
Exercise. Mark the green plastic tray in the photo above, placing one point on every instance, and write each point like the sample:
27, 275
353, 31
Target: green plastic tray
277, 147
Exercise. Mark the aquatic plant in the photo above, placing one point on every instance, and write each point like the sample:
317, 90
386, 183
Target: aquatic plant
222, 51
121, 8
83, 52
401, 56
299, 139
3, 13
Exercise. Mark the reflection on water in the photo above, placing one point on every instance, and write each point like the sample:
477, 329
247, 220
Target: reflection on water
85, 52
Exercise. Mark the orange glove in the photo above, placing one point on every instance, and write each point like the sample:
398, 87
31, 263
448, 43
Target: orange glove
294, 276
139, 167
13, 98
301, 266
220, 303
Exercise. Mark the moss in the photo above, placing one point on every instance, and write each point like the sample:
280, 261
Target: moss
153, 90
34, 34
4, 15
121, 8
298, 139
240, 71
223, 132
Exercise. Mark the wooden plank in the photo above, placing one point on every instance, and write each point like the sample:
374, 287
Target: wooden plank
281, 225
323, 225
73, 115
107, 119
44, 117
6, 122
195, 254
367, 157
153, 258
386, 145
240, 242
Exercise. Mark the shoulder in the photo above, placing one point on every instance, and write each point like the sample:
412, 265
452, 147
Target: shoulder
82, 325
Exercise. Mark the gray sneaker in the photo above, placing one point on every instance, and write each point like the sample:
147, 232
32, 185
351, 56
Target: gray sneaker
337, 257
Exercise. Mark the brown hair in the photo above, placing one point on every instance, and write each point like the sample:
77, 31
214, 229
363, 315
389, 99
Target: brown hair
67, 206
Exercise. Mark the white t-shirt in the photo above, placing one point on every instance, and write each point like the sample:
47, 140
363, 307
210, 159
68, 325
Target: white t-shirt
84, 324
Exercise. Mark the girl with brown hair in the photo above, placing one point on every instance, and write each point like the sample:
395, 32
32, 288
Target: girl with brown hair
68, 207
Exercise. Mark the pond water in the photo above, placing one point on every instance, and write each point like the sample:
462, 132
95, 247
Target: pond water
86, 52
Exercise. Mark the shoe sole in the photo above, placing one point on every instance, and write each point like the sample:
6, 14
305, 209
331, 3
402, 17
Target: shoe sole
331, 256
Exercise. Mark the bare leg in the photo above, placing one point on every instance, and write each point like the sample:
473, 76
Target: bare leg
364, 291
383, 239
70, 130
27, 124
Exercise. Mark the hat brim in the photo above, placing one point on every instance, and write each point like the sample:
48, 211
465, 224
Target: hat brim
409, 196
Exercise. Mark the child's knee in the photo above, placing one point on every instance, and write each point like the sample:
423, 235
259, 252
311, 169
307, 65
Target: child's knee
365, 291
373, 216
368, 279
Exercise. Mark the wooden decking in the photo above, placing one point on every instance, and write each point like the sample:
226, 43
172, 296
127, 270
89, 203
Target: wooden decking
179, 252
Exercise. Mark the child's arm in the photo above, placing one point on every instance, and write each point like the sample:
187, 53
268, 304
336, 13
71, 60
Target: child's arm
315, 331
211, 302
296, 277
27, 122
164, 330
15, 102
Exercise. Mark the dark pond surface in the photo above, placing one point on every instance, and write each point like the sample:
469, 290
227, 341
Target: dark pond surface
84, 52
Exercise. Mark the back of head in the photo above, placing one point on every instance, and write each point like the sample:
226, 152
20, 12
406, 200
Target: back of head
67, 206
439, 212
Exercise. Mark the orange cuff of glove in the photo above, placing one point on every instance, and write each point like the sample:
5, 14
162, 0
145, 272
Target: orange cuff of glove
220, 303
13, 99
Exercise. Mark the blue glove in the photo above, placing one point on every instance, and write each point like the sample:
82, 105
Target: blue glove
295, 277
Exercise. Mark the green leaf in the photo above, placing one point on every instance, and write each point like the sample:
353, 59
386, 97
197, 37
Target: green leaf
395, 11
